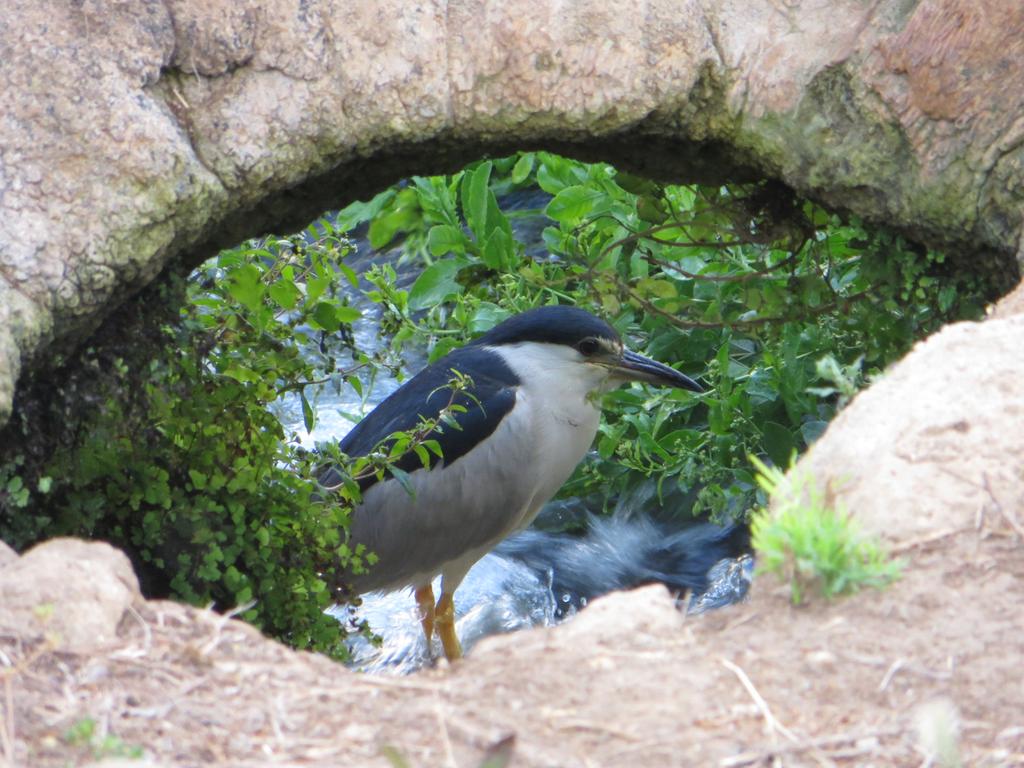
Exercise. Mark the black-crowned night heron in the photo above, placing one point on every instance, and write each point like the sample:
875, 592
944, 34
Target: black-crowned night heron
531, 414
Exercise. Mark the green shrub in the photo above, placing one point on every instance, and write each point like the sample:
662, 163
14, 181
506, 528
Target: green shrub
193, 474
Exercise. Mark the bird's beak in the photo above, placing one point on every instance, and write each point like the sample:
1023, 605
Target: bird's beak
634, 367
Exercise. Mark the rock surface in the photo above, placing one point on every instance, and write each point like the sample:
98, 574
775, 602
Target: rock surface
7, 554
130, 139
628, 681
72, 592
938, 438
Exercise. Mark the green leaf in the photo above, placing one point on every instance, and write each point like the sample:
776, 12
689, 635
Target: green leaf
422, 454
325, 315
556, 173
308, 415
444, 239
496, 220
636, 185
573, 203
284, 293
245, 287
487, 316
522, 168
651, 209
498, 252
315, 287
241, 373
403, 217
355, 214
346, 314
662, 289
198, 478
441, 348
435, 284
947, 297
778, 443
349, 273
812, 430
403, 479
475, 191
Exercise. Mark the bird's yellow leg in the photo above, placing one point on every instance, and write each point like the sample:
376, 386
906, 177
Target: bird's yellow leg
425, 601
445, 617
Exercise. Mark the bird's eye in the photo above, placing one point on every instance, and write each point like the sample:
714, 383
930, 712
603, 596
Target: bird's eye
588, 347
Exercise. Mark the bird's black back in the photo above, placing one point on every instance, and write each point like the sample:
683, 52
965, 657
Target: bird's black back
486, 401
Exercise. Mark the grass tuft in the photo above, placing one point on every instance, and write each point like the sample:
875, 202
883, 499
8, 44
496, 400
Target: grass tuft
807, 539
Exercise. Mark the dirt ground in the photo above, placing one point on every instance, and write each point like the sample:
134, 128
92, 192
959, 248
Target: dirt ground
928, 672
879, 679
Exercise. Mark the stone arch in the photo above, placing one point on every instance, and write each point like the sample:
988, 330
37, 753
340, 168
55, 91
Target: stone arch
134, 138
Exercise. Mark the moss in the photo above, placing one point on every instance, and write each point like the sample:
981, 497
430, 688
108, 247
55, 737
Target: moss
841, 146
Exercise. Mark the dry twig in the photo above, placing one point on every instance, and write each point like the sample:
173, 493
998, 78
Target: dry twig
774, 726
1008, 514
831, 745
446, 739
905, 546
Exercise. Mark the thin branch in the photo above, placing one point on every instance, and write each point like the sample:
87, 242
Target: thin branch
826, 742
689, 324
773, 724
745, 277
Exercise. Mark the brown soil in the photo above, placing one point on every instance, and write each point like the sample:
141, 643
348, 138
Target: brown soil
629, 682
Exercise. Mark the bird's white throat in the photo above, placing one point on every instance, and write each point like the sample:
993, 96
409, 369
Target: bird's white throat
558, 373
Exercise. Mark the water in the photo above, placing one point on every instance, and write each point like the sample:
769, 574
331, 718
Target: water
538, 578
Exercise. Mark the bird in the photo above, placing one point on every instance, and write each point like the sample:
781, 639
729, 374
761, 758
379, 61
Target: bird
524, 417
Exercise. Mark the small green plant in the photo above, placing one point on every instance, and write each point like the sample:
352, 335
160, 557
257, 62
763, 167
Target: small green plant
82, 734
807, 539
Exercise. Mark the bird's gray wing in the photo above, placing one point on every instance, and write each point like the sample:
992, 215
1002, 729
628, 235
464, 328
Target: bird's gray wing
486, 401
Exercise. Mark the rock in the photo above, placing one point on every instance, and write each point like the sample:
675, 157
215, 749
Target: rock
1011, 304
7, 554
626, 619
73, 590
936, 439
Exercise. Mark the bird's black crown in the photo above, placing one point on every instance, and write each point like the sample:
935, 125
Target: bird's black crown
551, 325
